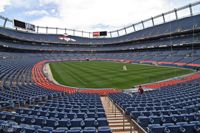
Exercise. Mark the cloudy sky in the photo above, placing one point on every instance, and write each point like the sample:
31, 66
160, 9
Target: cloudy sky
88, 15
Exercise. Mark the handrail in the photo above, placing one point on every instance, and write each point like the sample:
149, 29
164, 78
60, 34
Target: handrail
132, 122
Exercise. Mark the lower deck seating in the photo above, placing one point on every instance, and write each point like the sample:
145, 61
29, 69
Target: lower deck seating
171, 109
27, 105
67, 112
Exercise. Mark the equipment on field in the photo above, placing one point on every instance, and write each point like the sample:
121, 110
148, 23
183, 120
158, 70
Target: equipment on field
124, 68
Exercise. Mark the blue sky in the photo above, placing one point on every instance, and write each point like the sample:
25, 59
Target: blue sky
89, 15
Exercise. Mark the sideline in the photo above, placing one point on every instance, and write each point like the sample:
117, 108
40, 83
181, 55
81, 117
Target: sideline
48, 74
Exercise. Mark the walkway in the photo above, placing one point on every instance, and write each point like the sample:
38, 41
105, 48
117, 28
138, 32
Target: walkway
115, 118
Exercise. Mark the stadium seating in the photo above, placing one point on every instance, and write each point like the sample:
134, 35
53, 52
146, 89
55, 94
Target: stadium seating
30, 102
164, 41
170, 109
80, 112
176, 26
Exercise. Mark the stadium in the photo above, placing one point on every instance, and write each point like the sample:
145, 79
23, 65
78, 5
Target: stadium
60, 80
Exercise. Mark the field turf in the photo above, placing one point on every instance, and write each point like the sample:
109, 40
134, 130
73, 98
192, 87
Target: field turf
98, 74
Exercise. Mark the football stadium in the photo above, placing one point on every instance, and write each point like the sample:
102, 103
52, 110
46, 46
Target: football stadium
140, 78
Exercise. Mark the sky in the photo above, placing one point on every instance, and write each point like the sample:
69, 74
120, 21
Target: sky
87, 15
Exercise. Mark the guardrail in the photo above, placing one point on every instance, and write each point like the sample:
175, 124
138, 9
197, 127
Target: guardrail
133, 123
182, 12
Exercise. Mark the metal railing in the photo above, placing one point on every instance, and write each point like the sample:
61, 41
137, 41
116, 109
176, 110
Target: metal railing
182, 12
133, 124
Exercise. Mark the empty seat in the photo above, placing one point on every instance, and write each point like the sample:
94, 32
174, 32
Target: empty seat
135, 114
90, 122
102, 122
143, 121
171, 128
64, 122
104, 130
155, 128
89, 130
77, 122
74, 130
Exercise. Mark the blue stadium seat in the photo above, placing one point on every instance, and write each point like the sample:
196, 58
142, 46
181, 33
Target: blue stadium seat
78, 122
102, 122
104, 130
90, 122
74, 130
89, 130
155, 128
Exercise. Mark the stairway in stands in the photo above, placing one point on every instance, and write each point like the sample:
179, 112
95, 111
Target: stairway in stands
115, 118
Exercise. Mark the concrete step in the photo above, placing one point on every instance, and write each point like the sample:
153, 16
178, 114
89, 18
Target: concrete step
113, 115
112, 111
115, 118
117, 113
133, 131
119, 124
120, 128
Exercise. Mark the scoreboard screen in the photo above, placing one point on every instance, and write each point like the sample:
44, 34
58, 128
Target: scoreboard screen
23, 25
19, 24
30, 27
99, 33
103, 33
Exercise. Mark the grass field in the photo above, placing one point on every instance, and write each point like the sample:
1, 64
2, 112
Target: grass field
97, 74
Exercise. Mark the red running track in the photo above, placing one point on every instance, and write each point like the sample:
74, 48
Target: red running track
173, 81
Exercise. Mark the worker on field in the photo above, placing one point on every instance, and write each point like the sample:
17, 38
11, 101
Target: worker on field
140, 89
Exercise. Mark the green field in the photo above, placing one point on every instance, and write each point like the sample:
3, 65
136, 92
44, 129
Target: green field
97, 74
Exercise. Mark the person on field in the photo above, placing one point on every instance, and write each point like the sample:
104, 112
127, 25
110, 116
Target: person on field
140, 89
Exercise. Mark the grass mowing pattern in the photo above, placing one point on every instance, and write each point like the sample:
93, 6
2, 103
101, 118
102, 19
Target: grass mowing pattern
98, 74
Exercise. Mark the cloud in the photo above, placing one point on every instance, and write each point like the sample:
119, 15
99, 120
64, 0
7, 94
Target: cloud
46, 2
92, 15
99, 27
3, 4
23, 3
85, 14
37, 12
